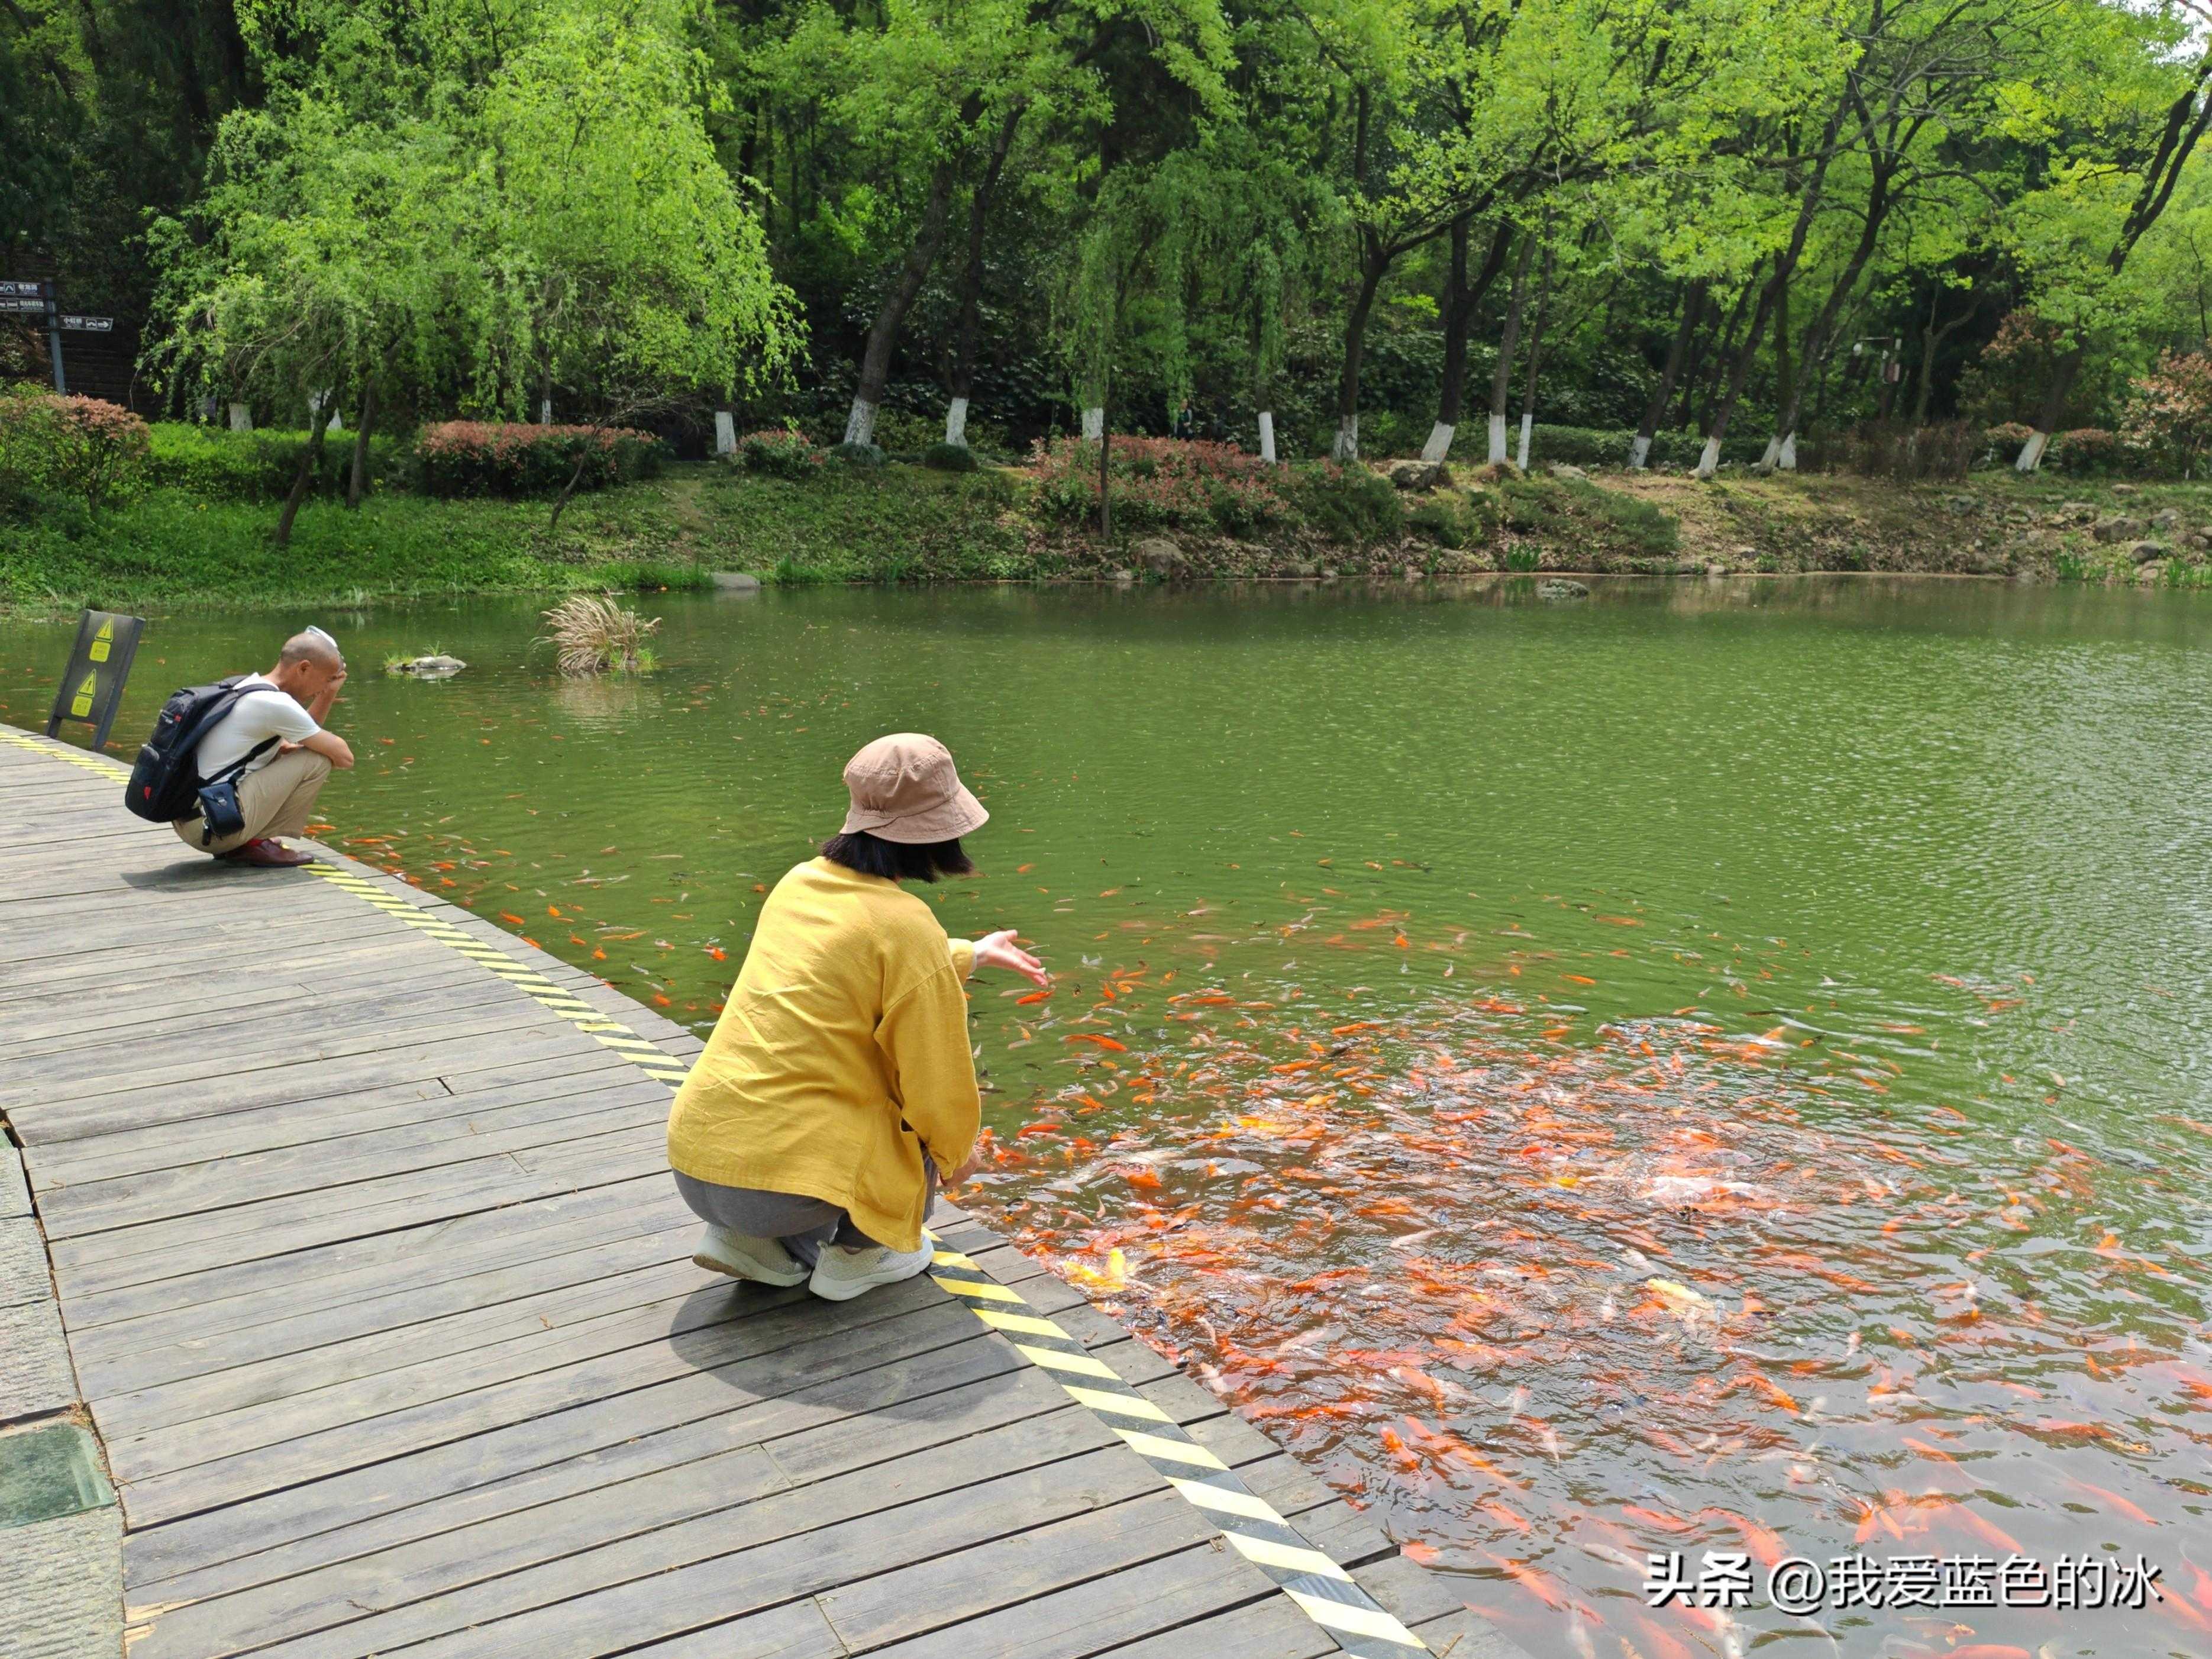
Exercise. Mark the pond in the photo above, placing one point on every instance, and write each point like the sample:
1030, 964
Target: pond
1718, 1067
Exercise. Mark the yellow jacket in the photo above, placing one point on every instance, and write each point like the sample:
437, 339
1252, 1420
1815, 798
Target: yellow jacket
840, 1057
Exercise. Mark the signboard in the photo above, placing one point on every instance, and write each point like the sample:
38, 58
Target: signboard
23, 290
89, 324
91, 687
33, 307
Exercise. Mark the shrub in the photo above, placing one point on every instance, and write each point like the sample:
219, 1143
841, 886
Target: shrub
948, 458
2169, 416
2086, 452
859, 454
219, 466
593, 635
83, 447
2001, 444
1441, 521
1894, 449
900, 432
1348, 503
781, 453
502, 457
1161, 483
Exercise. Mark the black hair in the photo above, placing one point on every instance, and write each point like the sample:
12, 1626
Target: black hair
898, 861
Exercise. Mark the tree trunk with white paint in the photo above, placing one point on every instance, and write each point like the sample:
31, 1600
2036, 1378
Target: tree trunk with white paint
1094, 422
1501, 381
1654, 410
2054, 410
962, 387
882, 333
1536, 349
1374, 264
1461, 295
726, 433
241, 418
1268, 436
544, 411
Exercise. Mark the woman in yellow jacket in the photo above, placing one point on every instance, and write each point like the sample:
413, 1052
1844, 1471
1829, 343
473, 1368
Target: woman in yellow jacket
838, 1088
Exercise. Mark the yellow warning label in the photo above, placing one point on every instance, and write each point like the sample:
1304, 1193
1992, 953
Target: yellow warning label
102, 640
80, 704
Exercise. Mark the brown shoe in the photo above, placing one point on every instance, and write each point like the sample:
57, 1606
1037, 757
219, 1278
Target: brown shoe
267, 853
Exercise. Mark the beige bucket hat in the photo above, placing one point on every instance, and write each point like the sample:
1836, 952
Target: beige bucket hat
904, 789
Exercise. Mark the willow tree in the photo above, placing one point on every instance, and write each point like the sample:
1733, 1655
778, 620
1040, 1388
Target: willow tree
455, 211
613, 253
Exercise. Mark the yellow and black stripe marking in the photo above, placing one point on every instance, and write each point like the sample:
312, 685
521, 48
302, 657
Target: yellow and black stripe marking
54, 750
1322, 1589
649, 1057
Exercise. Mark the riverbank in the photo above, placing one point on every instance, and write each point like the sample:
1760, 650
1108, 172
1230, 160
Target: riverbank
901, 523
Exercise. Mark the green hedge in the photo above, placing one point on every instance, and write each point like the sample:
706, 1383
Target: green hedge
214, 464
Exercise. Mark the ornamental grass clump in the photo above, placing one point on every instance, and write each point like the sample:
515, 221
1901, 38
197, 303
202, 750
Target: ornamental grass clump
595, 636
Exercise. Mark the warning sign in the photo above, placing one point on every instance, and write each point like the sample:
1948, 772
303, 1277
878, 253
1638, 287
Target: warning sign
92, 686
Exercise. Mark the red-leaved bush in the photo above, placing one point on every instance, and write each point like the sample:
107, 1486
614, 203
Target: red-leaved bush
2087, 451
780, 453
503, 457
1161, 482
2169, 418
81, 447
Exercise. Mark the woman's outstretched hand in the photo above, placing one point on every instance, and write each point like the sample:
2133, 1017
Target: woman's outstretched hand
999, 950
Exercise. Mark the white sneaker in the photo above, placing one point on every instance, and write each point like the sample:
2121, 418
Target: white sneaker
763, 1260
841, 1272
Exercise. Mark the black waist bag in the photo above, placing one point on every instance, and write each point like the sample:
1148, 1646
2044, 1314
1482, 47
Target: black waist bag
220, 813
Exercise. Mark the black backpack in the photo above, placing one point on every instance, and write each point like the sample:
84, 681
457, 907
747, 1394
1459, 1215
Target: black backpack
165, 785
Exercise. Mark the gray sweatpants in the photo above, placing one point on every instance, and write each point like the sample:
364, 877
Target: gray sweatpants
801, 1225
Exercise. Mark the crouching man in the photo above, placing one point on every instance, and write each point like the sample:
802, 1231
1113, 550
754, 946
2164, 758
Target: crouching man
272, 744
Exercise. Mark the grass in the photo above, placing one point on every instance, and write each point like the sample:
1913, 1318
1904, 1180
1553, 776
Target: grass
169, 549
173, 548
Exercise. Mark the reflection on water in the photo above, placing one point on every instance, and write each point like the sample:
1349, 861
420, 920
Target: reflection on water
1719, 1067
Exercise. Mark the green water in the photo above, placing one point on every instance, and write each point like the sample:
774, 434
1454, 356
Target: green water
1835, 949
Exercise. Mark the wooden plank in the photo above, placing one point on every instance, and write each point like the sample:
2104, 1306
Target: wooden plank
223, 1183
670, 1581
227, 1297
155, 1149
538, 1457
689, 1494
511, 1387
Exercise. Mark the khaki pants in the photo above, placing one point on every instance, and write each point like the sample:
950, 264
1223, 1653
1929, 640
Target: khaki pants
275, 801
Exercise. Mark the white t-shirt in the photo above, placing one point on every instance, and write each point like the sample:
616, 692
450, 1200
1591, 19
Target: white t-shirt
254, 717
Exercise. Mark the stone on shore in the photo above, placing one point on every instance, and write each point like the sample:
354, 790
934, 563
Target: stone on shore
1559, 587
2117, 528
1161, 557
1417, 475
736, 581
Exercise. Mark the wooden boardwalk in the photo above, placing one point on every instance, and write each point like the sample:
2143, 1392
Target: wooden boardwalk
381, 1302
